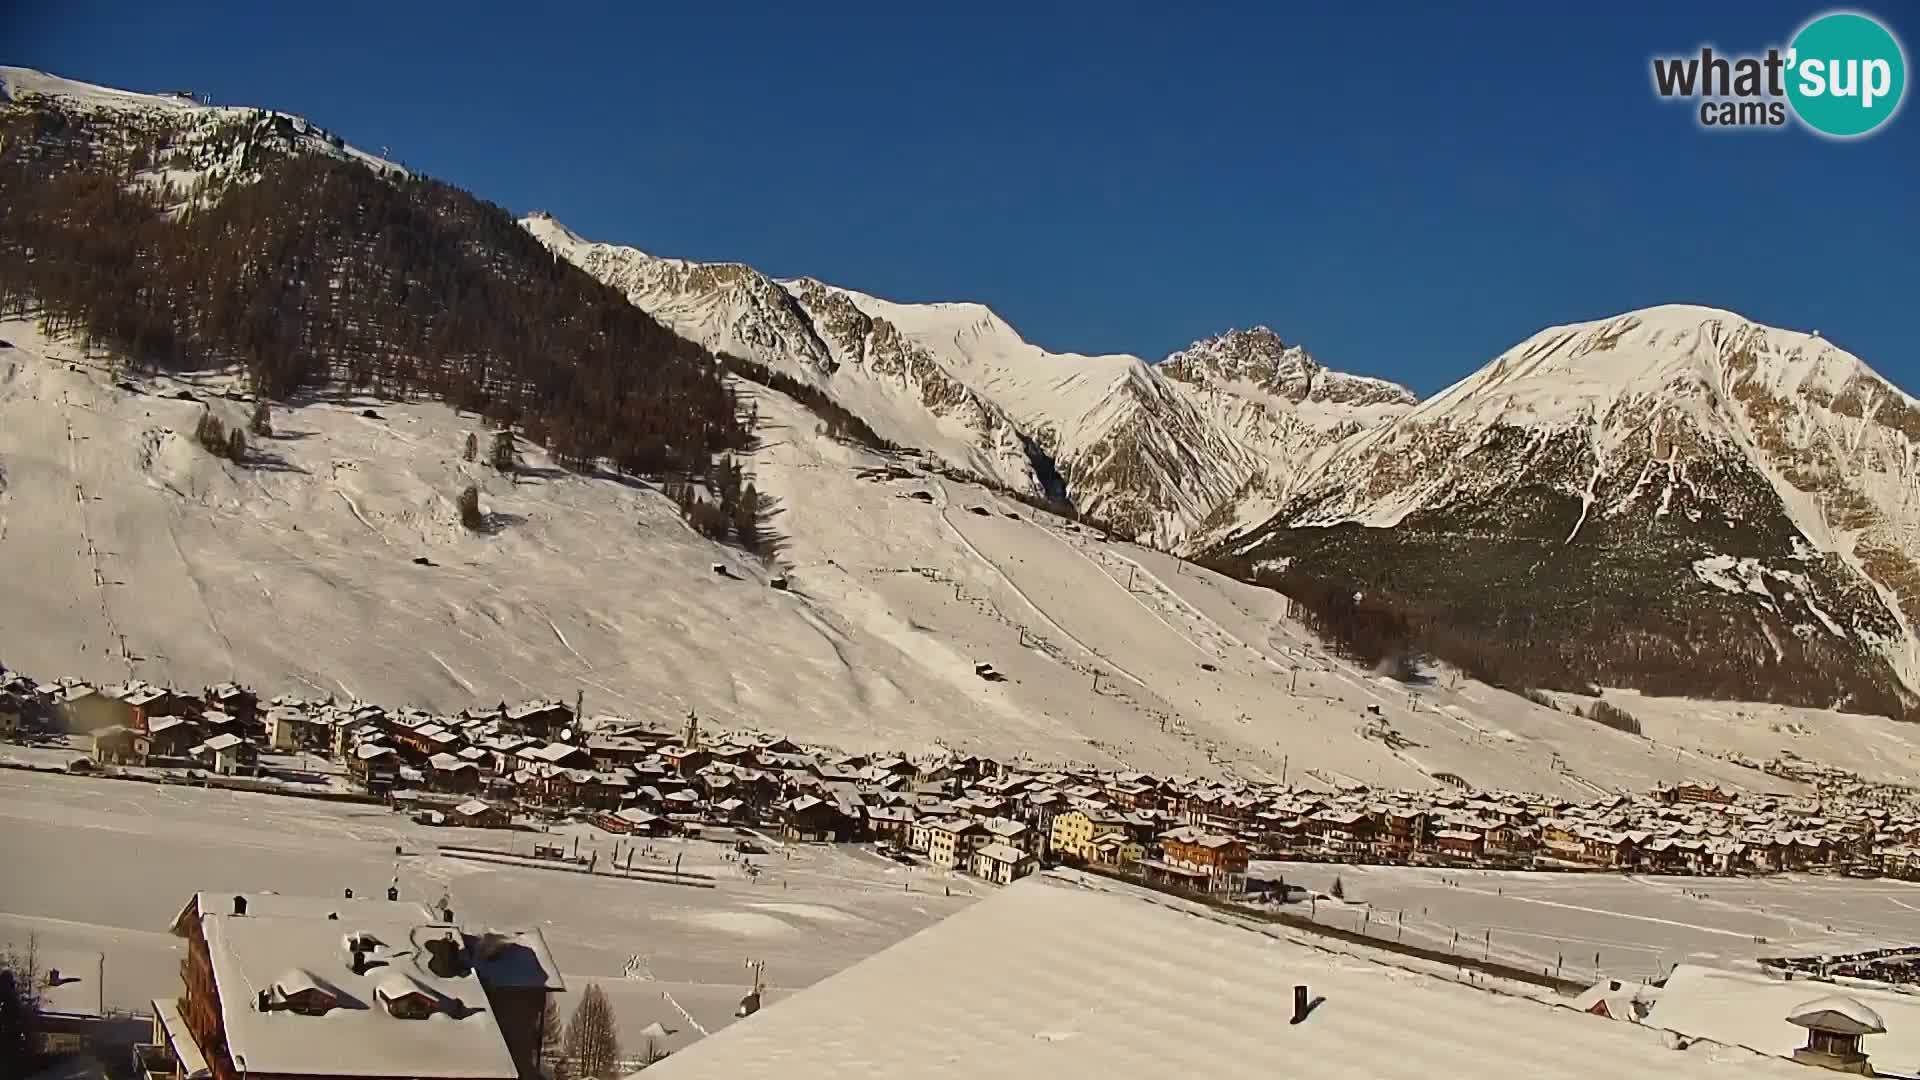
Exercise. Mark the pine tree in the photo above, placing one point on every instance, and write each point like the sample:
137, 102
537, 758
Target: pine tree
262, 424
502, 458
746, 519
472, 453
1339, 890
593, 1038
470, 514
237, 446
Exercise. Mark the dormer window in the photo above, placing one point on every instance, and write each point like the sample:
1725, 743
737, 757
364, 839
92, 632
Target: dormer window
406, 999
298, 991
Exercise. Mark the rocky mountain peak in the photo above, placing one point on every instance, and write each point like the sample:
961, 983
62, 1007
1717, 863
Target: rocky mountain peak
1259, 357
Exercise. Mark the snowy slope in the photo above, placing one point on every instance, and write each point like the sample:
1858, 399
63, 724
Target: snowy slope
152, 558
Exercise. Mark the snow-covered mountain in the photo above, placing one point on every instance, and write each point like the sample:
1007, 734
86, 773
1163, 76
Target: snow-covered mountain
1674, 484
1717, 458
1155, 450
209, 146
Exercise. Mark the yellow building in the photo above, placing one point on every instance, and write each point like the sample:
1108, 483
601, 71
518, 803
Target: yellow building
1072, 833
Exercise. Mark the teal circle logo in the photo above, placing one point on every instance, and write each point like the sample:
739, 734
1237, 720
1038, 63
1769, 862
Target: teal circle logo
1845, 74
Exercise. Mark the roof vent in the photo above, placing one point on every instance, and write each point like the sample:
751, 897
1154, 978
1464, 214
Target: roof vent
239, 905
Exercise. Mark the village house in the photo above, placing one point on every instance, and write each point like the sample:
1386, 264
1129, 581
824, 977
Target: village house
292, 987
1001, 863
809, 819
952, 842
226, 754
474, 814
374, 768
235, 700
83, 709
1221, 858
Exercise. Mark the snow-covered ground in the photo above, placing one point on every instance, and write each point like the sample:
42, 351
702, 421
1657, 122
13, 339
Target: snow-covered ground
126, 549
93, 865
1639, 926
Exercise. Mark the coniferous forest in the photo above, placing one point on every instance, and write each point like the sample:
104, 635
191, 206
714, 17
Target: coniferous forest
322, 273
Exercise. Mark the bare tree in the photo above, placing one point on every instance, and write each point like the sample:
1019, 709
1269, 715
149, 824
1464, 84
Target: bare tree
550, 1037
20, 983
593, 1037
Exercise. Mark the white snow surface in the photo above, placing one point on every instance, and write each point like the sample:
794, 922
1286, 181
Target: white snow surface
152, 558
1077, 977
1751, 1010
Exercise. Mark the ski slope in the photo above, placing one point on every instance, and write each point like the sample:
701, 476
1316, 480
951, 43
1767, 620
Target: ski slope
126, 550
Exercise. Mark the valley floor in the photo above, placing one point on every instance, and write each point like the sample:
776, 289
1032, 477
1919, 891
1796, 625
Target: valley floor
91, 866
1639, 926
334, 563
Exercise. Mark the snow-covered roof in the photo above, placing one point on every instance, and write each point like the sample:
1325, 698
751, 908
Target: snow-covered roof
1752, 1010
1001, 853
249, 952
1055, 978
1838, 1012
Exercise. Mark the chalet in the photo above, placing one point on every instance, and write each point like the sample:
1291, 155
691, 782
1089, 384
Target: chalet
684, 760
289, 987
633, 821
612, 751
810, 819
226, 754
1460, 841
891, 823
1341, 830
374, 767
449, 772
474, 814
119, 745
1001, 863
1223, 859
81, 708
234, 700
1399, 830
543, 719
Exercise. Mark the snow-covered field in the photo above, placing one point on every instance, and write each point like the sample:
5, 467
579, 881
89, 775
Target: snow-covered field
125, 549
91, 865
1640, 926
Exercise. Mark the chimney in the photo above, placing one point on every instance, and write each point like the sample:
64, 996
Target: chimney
1300, 1004
356, 957
265, 1001
393, 892
446, 915
53, 976
239, 905
349, 894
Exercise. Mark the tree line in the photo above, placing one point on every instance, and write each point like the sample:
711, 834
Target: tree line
1707, 653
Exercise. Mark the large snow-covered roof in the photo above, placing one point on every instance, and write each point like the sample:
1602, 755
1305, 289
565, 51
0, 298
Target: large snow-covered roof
1752, 1010
1074, 977
360, 1036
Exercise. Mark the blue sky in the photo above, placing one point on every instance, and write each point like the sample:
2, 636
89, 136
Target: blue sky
1405, 190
